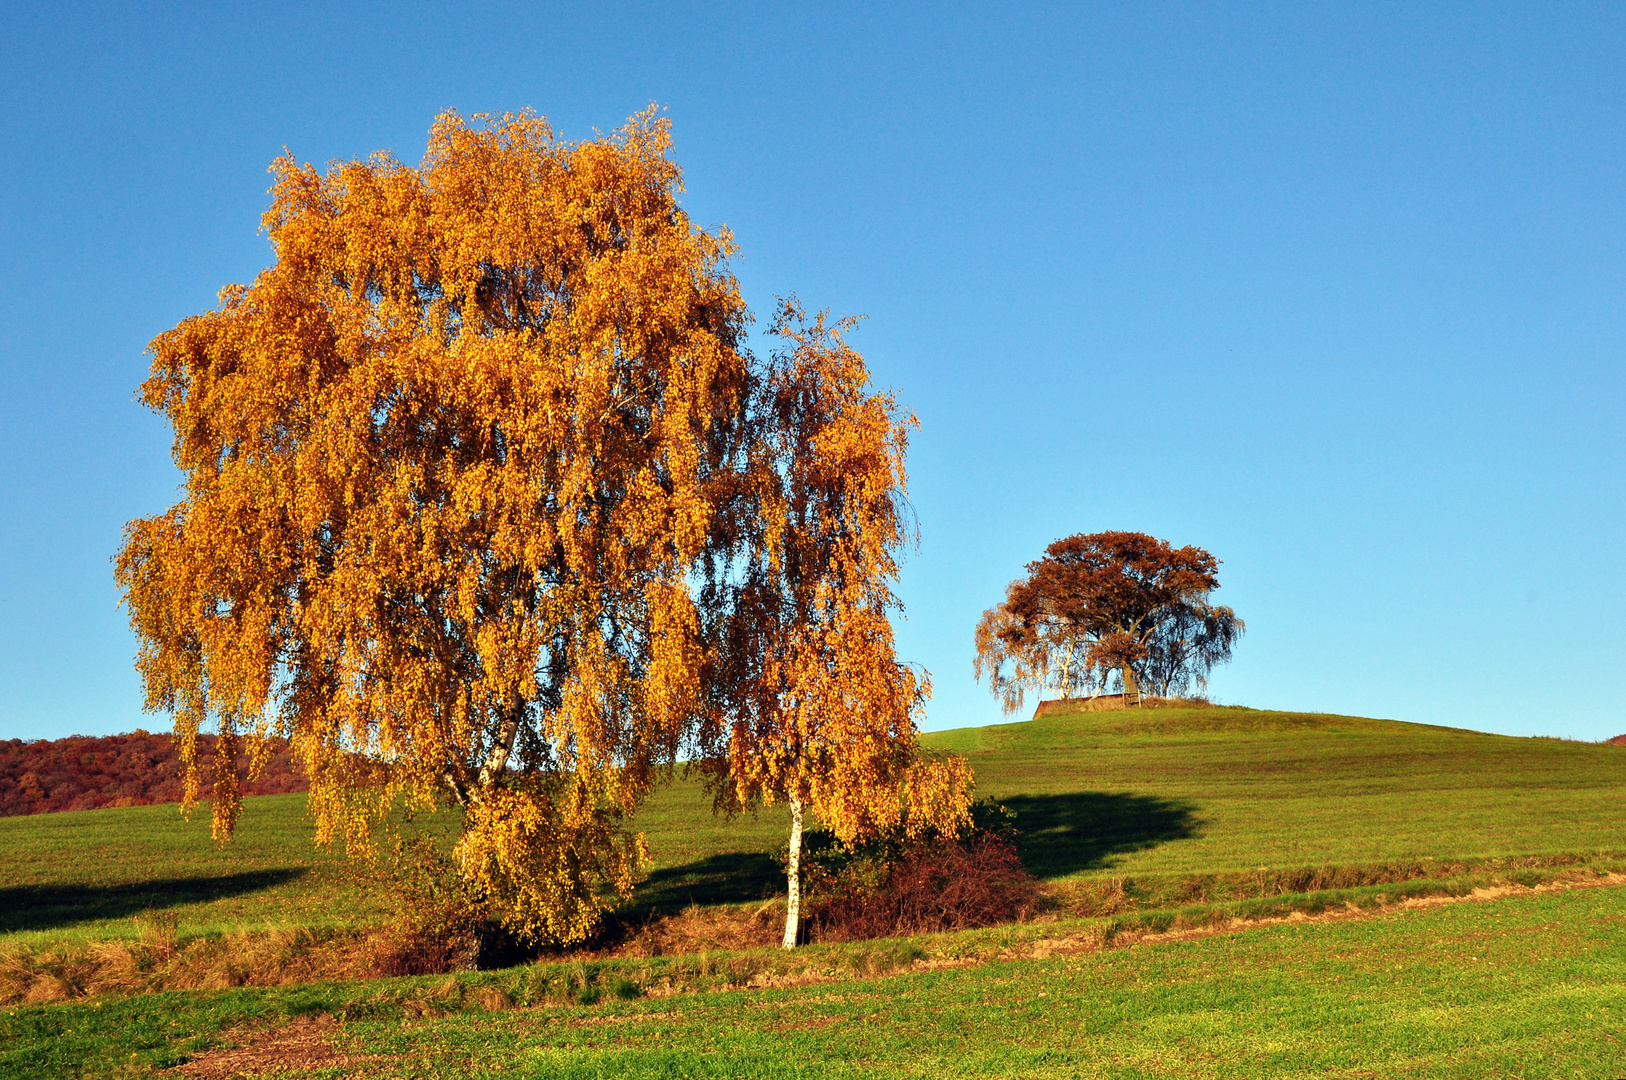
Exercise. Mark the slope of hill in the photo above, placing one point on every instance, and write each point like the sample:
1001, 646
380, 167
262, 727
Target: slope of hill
1166, 804
1202, 790
139, 769
1263, 862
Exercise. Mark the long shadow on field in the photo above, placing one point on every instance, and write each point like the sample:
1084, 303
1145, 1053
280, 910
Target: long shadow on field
1083, 830
730, 878
46, 907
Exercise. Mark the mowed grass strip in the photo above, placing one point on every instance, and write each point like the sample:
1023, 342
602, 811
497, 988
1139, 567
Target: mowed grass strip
1528, 986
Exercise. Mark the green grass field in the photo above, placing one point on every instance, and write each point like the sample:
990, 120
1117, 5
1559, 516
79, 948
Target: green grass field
1532, 986
1155, 797
1138, 820
1213, 790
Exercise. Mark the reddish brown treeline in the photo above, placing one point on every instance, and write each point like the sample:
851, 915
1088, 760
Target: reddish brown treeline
83, 773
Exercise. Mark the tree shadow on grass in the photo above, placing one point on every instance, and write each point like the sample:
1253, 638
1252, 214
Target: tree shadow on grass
50, 907
1084, 830
1059, 835
731, 878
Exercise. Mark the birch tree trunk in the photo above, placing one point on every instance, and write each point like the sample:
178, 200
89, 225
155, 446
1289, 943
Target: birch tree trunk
793, 907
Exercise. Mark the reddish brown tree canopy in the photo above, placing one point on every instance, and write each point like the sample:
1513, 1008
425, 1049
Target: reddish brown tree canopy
142, 768
1107, 606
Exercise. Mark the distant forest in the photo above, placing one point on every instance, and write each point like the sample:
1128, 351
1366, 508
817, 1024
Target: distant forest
139, 769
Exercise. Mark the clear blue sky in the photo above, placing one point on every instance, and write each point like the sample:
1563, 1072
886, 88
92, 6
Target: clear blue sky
1337, 295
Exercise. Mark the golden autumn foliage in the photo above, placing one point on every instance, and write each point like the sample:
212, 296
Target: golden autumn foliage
455, 466
820, 713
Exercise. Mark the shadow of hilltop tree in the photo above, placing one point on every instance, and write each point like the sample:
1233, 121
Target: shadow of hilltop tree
1083, 830
49, 907
731, 878
1059, 835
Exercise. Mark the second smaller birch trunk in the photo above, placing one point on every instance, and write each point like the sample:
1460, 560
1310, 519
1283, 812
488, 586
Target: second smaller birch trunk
793, 906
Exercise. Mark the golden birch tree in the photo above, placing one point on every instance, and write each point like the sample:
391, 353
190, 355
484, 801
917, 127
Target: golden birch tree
449, 466
815, 708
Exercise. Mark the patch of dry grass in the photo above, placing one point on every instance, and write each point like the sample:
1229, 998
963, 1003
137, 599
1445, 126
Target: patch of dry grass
298, 1048
699, 929
1085, 898
158, 960
720, 947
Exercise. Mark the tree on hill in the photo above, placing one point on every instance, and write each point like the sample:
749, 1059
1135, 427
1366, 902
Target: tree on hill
456, 466
821, 714
1105, 608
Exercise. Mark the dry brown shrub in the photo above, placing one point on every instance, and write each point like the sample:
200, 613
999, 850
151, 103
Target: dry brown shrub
158, 932
441, 924
48, 988
1068, 706
1090, 899
414, 954
492, 999
16, 975
949, 885
1112, 702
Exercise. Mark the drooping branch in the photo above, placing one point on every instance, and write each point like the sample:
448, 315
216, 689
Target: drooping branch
450, 465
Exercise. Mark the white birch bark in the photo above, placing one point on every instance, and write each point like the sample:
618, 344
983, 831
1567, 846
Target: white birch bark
793, 907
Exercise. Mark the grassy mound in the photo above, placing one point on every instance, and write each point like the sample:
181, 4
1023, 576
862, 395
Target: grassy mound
1151, 806
1213, 790
1146, 825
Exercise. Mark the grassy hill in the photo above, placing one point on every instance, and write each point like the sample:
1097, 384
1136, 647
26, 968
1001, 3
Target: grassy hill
1178, 803
1141, 822
1182, 791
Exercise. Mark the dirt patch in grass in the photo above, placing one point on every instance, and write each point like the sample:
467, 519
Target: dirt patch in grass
298, 1048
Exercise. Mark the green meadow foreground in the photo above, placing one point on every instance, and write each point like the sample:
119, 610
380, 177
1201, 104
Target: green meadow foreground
1517, 987
1143, 823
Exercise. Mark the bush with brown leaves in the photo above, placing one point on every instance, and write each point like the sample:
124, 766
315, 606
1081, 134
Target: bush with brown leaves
438, 918
893, 886
951, 885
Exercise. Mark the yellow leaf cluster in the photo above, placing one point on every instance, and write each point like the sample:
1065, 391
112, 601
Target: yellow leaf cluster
541, 856
448, 465
486, 500
822, 713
